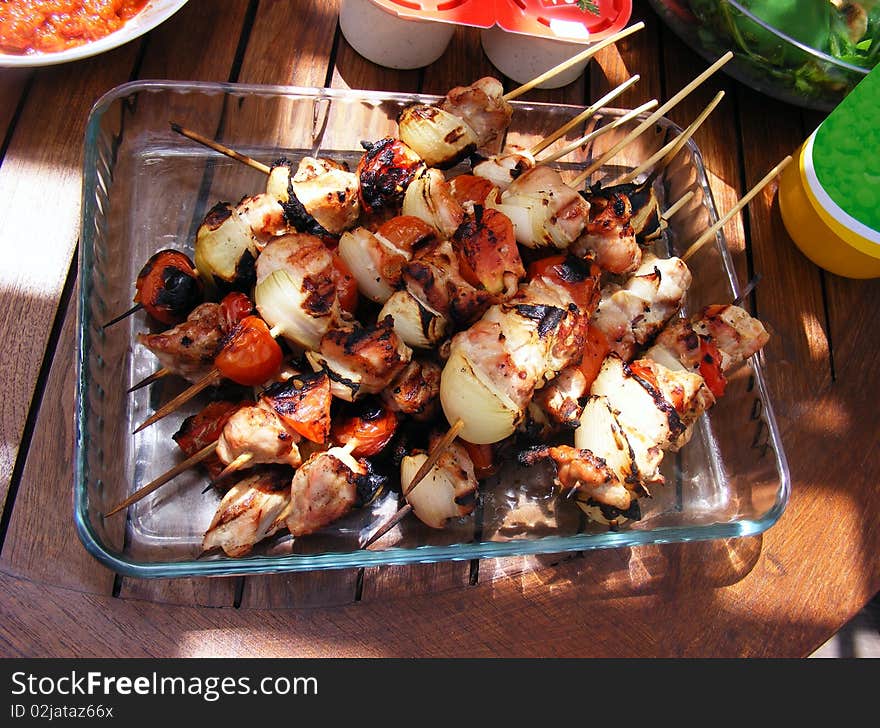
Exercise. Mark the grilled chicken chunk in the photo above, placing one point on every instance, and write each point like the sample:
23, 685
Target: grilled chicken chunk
609, 236
416, 390
296, 288
631, 315
634, 413
189, 348
321, 197
260, 432
361, 360
435, 280
205, 427
324, 489
483, 107
544, 210
249, 512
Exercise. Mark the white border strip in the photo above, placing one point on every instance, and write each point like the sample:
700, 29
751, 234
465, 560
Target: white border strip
831, 207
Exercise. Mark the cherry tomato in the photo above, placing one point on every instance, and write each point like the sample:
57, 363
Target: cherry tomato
406, 232
483, 458
249, 355
595, 350
372, 425
234, 308
710, 367
168, 287
579, 277
346, 285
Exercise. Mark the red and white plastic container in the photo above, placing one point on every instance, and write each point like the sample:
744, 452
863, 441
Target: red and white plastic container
522, 38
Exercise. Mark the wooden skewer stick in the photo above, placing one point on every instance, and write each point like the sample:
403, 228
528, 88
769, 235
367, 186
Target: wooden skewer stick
217, 147
574, 60
155, 376
667, 152
240, 462
712, 231
438, 450
596, 133
677, 205
180, 399
133, 309
188, 394
689, 88
583, 116
145, 490
750, 286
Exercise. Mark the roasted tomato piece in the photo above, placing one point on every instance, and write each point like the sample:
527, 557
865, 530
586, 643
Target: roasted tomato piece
487, 251
346, 285
710, 367
249, 355
168, 287
234, 308
407, 233
370, 423
303, 402
470, 188
384, 172
595, 350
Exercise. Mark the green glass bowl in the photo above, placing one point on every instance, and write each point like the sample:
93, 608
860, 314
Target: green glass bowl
766, 58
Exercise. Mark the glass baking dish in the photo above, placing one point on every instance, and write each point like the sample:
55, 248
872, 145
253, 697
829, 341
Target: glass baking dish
147, 188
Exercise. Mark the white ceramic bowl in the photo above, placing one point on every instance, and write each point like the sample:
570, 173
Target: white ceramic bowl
523, 57
390, 41
154, 13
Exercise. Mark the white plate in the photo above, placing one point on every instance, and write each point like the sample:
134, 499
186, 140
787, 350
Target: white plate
154, 13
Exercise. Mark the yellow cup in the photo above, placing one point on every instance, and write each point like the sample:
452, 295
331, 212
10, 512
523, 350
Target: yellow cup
823, 239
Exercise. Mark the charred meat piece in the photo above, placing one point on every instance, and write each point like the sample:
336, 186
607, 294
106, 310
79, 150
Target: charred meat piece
361, 360
449, 490
632, 315
416, 390
249, 512
189, 348
261, 433
583, 471
609, 236
321, 198
297, 288
483, 107
230, 239
435, 280
545, 211
323, 490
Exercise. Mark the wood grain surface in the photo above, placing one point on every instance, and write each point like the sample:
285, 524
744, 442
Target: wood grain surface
782, 593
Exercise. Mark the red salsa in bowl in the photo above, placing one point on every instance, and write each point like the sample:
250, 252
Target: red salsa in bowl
50, 26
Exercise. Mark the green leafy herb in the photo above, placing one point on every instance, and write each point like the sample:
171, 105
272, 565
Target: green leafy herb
588, 6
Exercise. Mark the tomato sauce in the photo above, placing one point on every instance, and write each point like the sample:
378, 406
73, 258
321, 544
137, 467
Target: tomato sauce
48, 26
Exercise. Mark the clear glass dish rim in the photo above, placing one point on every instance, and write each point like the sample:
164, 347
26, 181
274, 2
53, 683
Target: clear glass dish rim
783, 36
225, 566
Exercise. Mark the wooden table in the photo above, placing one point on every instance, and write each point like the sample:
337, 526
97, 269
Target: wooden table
779, 594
